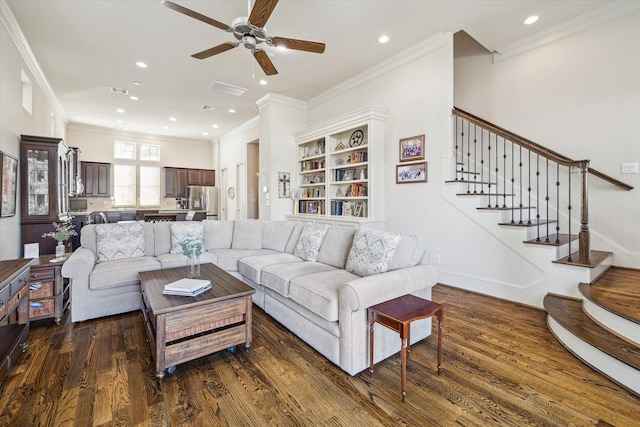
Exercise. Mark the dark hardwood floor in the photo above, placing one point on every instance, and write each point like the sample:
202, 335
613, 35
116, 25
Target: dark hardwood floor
501, 366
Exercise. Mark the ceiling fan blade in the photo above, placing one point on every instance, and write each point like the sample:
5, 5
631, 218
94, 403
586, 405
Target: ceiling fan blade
214, 50
261, 12
265, 63
305, 45
196, 15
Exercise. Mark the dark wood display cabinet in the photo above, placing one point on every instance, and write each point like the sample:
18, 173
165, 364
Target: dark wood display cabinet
14, 312
44, 188
176, 180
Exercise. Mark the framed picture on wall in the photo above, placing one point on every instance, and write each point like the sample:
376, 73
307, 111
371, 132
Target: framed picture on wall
415, 172
9, 167
284, 185
412, 148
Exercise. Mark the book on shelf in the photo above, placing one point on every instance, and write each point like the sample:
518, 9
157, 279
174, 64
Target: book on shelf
187, 287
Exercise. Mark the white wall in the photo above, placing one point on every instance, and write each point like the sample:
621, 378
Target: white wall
15, 120
96, 145
233, 151
579, 96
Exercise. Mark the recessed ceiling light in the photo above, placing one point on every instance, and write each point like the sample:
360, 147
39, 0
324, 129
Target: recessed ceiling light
119, 121
263, 82
231, 110
133, 98
137, 83
141, 64
214, 126
173, 119
383, 39
205, 133
530, 20
120, 110
166, 127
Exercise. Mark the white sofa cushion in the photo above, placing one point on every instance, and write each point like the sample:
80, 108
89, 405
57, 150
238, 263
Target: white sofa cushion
277, 276
409, 253
183, 231
121, 272
310, 240
319, 292
275, 234
119, 241
372, 251
251, 267
247, 234
336, 246
217, 234
227, 259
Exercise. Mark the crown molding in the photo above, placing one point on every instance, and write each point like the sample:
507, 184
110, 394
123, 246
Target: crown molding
81, 127
246, 126
9, 22
280, 99
407, 56
608, 12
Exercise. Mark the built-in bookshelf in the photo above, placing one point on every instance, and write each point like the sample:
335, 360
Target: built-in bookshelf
341, 168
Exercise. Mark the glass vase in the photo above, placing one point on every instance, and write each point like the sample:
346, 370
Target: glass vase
193, 266
60, 250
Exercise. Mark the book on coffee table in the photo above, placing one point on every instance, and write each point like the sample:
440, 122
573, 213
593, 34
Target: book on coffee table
187, 287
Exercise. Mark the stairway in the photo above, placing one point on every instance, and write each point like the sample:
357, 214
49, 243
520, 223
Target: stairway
603, 328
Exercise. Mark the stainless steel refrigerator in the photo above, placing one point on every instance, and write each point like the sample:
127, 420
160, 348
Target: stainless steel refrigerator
203, 198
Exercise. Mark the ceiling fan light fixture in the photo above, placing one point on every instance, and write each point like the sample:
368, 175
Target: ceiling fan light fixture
249, 42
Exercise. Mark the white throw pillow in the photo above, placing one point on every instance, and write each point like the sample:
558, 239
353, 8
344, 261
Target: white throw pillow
119, 241
310, 240
182, 231
372, 251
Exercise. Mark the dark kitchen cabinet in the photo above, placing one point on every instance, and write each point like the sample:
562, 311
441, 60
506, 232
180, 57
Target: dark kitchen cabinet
208, 177
175, 182
97, 179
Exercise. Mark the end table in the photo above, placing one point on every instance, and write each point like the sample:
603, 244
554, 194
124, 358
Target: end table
47, 289
397, 314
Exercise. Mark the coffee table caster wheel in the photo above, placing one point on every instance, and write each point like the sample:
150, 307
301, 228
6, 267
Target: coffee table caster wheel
171, 369
232, 349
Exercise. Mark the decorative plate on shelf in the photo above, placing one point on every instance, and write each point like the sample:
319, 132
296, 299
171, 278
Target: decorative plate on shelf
356, 138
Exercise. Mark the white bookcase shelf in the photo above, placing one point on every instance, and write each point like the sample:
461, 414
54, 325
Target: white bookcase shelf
341, 168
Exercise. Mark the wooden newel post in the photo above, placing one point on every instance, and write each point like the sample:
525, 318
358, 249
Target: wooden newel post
584, 240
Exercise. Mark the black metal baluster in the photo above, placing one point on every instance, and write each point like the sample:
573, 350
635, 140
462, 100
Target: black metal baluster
504, 173
546, 240
520, 184
467, 158
497, 174
569, 209
513, 180
482, 161
537, 197
489, 169
475, 159
557, 203
458, 174
529, 187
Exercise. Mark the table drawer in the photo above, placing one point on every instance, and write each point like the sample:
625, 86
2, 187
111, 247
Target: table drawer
46, 274
40, 290
40, 308
17, 297
19, 282
5, 295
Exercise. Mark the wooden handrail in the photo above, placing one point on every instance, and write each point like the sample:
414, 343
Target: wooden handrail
536, 148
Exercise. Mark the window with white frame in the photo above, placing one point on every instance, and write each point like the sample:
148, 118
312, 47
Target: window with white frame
150, 152
124, 182
149, 186
124, 150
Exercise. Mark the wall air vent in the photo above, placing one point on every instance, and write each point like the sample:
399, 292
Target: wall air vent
227, 88
208, 107
119, 90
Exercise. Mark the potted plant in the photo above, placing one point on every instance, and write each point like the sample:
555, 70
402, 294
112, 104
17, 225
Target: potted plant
63, 231
192, 249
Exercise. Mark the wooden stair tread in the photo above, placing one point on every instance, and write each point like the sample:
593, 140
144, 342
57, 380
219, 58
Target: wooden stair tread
486, 194
563, 239
466, 181
534, 223
595, 259
508, 208
568, 312
617, 290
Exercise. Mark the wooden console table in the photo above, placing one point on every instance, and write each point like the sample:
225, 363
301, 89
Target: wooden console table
397, 314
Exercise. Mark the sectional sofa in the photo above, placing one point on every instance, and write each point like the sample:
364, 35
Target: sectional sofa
316, 280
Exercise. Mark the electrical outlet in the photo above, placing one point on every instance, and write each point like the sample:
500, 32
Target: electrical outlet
629, 167
436, 259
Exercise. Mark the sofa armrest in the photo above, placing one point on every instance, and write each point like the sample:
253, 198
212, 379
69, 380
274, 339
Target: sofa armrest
364, 292
79, 264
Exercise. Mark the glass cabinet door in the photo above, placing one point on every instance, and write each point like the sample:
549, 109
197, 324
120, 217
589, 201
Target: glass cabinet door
38, 182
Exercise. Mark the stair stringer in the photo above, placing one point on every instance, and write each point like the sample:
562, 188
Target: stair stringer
549, 278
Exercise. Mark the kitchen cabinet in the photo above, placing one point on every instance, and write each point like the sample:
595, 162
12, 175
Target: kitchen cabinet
175, 182
97, 179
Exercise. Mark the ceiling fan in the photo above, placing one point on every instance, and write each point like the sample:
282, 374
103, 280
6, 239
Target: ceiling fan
249, 32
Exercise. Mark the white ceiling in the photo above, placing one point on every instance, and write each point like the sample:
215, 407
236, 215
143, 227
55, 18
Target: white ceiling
85, 46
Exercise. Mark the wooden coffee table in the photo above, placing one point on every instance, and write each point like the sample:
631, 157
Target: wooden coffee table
180, 328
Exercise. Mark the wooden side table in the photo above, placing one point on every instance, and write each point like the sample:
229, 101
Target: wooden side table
48, 292
397, 314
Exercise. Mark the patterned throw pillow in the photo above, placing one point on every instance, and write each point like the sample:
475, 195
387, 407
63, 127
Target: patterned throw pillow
372, 251
120, 241
182, 231
310, 240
